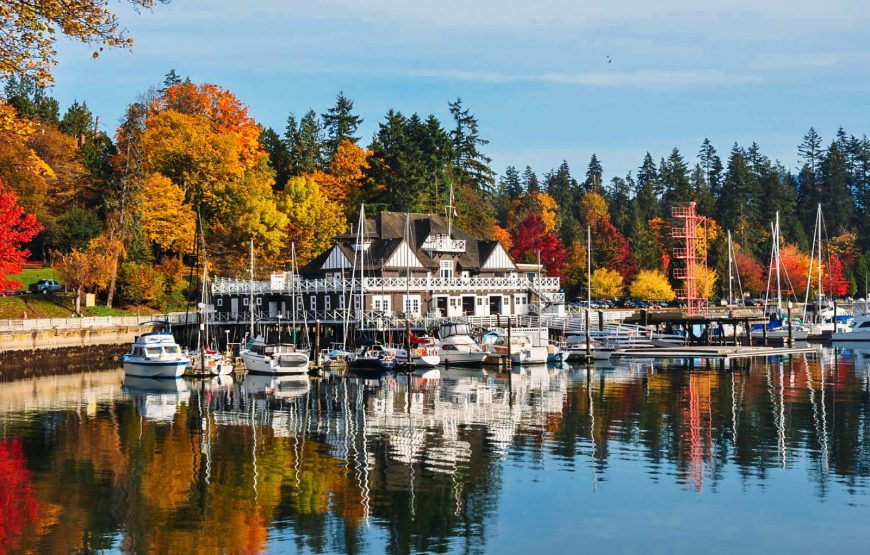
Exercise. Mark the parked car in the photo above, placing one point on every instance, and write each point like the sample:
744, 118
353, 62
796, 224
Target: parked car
45, 286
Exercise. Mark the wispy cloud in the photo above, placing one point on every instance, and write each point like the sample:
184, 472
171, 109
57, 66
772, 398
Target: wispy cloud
638, 79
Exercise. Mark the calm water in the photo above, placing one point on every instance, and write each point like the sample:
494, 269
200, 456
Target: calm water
771, 455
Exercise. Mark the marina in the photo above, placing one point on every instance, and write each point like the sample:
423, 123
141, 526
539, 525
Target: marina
347, 463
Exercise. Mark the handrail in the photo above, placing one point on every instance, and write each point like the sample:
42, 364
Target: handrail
89, 322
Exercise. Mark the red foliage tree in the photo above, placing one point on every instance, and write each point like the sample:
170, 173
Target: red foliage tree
833, 280
531, 237
16, 229
18, 504
751, 274
611, 250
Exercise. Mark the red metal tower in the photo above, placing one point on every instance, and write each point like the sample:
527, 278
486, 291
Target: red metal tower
693, 231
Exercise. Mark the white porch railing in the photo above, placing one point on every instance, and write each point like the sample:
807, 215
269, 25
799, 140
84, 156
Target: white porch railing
34, 324
544, 286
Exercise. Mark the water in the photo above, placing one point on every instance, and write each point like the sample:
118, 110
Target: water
770, 455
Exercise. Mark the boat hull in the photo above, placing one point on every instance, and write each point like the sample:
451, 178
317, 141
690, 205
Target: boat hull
155, 369
281, 364
851, 336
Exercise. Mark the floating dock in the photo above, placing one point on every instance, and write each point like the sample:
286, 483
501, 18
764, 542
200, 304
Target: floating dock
720, 351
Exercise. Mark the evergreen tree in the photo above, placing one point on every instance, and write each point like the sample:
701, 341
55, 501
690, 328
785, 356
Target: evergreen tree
470, 163
618, 197
340, 124
279, 156
674, 177
835, 196
594, 173
648, 176
170, 80
711, 165
530, 180
30, 100
78, 121
304, 144
513, 184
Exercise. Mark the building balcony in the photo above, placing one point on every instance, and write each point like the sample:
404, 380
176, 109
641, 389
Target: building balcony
443, 244
223, 286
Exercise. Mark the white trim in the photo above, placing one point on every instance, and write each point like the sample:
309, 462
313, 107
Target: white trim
336, 260
403, 257
498, 260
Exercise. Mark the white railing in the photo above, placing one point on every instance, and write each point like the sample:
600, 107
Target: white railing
545, 286
440, 243
91, 322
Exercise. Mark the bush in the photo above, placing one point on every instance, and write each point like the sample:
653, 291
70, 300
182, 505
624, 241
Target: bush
141, 283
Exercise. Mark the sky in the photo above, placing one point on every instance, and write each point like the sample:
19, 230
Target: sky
549, 80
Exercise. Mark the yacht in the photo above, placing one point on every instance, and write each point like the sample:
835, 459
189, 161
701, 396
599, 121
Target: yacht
520, 348
282, 359
424, 355
373, 358
861, 329
458, 348
210, 362
155, 355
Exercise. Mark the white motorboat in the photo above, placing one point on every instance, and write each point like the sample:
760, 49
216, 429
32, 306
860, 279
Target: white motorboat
155, 355
210, 362
861, 330
157, 400
278, 359
520, 348
457, 346
425, 353
575, 348
279, 387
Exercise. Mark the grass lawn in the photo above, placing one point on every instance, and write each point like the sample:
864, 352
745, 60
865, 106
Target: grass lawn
32, 275
58, 306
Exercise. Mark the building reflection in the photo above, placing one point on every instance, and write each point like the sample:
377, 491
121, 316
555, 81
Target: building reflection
230, 465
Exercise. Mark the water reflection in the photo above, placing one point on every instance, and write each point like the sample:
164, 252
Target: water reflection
429, 462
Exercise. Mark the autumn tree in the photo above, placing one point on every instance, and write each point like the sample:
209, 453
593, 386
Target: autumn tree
750, 273
340, 124
312, 219
794, 266
166, 220
88, 269
652, 285
531, 239
606, 284
17, 228
29, 31
342, 182
534, 202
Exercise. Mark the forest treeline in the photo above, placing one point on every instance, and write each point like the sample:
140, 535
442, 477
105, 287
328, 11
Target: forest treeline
119, 213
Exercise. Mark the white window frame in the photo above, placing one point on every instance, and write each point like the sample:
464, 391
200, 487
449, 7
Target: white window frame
219, 302
445, 269
327, 302
244, 301
357, 302
312, 302
341, 302
259, 301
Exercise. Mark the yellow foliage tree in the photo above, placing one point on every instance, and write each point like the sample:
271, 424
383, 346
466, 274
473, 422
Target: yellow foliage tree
312, 219
89, 269
21, 169
593, 209
574, 272
342, 182
706, 279
534, 202
606, 284
165, 219
652, 285
503, 236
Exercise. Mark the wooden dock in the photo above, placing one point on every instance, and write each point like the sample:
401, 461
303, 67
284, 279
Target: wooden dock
713, 351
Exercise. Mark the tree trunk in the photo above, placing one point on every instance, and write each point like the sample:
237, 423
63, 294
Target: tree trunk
79, 301
110, 294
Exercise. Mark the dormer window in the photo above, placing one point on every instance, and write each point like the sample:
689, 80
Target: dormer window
446, 269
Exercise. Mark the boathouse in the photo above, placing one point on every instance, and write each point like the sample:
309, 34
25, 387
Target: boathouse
399, 266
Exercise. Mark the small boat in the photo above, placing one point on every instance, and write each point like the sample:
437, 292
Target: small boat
457, 347
157, 400
520, 348
555, 354
373, 359
155, 355
210, 362
861, 329
424, 355
282, 359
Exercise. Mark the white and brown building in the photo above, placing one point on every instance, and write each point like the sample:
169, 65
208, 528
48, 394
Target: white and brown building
425, 269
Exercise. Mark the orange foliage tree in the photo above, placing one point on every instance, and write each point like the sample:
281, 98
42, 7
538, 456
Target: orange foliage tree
534, 202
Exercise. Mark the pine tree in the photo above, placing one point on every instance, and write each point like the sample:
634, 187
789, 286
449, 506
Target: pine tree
340, 124
835, 197
530, 180
513, 184
170, 80
711, 164
594, 173
77, 121
30, 100
471, 164
618, 198
304, 144
279, 156
674, 177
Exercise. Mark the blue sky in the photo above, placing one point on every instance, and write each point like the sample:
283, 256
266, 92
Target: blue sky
535, 73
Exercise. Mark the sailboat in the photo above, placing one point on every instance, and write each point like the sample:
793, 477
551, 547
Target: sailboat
777, 327
372, 357
823, 316
207, 360
263, 357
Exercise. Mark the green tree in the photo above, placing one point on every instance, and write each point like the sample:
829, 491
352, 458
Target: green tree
304, 143
340, 124
470, 163
279, 156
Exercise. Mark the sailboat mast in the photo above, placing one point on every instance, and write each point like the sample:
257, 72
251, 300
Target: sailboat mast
251, 290
589, 267
293, 300
778, 262
730, 273
819, 226
407, 303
